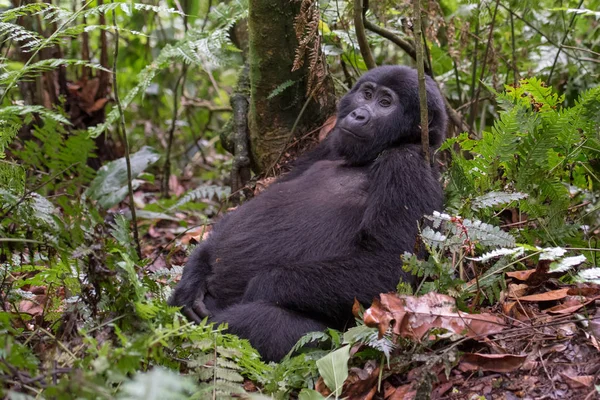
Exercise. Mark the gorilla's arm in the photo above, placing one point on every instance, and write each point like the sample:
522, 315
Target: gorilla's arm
403, 188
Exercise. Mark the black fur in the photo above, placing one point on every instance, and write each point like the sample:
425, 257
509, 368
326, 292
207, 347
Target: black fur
293, 259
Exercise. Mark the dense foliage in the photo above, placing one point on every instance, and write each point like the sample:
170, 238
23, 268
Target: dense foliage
111, 113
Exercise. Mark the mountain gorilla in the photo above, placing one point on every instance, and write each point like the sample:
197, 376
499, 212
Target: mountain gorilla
293, 259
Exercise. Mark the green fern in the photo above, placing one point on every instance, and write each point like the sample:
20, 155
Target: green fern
491, 199
202, 192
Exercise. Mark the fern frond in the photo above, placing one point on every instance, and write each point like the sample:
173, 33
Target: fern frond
202, 192
494, 198
279, 89
27, 39
517, 251
591, 275
567, 263
128, 8
434, 239
11, 112
32, 70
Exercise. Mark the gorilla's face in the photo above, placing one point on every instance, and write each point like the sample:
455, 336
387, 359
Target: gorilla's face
370, 104
382, 111
367, 121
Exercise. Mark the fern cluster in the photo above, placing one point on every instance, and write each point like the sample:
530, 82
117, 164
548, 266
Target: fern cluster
538, 150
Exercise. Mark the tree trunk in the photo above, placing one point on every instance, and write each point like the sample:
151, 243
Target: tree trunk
272, 47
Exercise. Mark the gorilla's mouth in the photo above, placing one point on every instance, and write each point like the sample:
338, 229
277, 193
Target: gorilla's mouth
351, 133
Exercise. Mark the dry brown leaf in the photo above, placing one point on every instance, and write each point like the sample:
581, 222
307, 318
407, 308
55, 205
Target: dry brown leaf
327, 127
569, 306
548, 296
517, 290
414, 316
361, 382
198, 234
585, 289
404, 392
491, 362
262, 185
322, 388
521, 275
175, 186
356, 308
33, 307
98, 105
578, 382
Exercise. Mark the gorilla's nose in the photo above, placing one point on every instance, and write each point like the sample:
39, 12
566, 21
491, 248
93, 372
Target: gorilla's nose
359, 117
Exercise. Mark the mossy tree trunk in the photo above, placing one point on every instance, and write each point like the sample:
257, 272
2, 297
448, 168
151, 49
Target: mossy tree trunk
272, 46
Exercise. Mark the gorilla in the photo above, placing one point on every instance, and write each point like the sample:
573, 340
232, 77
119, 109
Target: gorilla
293, 259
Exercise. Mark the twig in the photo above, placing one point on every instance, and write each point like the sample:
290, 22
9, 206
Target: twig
484, 61
582, 49
421, 75
474, 70
136, 236
563, 41
167, 164
293, 131
185, 102
389, 35
548, 39
514, 57
361, 36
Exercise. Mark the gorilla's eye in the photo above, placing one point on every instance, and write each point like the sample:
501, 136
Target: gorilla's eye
385, 102
368, 94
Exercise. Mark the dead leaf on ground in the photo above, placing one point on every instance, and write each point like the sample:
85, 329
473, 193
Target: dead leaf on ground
414, 316
521, 275
491, 362
361, 382
547, 296
517, 290
569, 306
198, 234
404, 392
577, 382
175, 186
327, 127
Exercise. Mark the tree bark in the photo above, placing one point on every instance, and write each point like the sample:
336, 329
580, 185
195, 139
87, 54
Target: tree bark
272, 47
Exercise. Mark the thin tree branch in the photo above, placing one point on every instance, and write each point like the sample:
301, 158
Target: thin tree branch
549, 40
383, 32
474, 71
484, 63
167, 164
136, 236
421, 74
514, 57
361, 36
563, 41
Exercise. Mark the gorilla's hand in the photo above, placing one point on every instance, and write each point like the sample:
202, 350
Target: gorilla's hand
191, 298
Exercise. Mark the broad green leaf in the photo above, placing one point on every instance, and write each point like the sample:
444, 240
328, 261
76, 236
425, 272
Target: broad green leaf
309, 394
110, 186
334, 369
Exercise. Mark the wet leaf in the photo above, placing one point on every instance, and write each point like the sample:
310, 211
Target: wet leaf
491, 362
547, 296
414, 316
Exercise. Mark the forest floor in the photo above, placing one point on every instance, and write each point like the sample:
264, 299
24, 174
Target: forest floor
548, 346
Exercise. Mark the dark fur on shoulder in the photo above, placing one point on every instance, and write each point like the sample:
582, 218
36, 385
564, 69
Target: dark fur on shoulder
293, 259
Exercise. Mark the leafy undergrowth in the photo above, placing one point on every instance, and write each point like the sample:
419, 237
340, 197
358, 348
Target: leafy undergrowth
506, 302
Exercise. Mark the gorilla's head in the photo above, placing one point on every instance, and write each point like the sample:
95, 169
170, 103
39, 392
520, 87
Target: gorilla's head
382, 111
